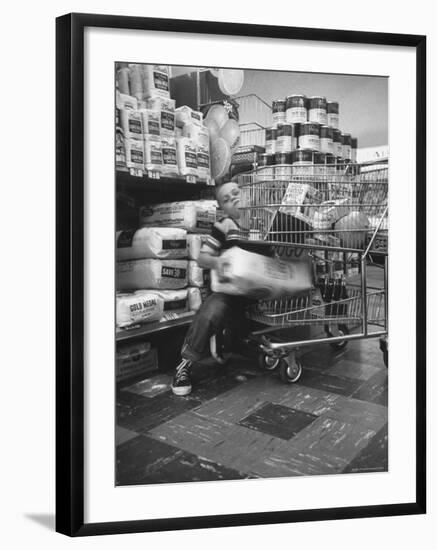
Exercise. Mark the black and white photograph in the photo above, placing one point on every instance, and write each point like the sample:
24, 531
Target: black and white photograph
251, 274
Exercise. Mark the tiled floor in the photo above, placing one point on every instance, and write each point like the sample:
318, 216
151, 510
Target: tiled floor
241, 422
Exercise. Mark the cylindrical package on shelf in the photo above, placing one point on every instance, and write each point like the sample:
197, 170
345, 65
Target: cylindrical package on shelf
197, 276
132, 309
151, 242
175, 301
135, 81
260, 277
135, 359
194, 244
134, 153
123, 80
120, 152
131, 123
124, 101
156, 80
152, 274
194, 298
187, 115
195, 216
151, 122
153, 153
169, 157
166, 109
187, 156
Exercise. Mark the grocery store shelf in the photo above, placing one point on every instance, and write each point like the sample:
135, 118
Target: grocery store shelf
133, 183
123, 335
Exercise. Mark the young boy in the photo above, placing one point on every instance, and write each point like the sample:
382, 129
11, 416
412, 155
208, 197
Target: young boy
217, 307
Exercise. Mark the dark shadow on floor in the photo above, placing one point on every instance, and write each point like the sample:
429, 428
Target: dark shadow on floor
46, 520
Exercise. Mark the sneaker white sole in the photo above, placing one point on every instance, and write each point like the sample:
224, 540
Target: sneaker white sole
181, 391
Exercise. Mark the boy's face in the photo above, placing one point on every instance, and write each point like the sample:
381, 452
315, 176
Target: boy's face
228, 197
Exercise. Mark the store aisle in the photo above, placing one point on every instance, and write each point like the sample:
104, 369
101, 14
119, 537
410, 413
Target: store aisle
240, 422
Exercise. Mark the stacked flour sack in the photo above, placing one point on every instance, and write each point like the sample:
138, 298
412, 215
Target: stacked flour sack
156, 136
158, 278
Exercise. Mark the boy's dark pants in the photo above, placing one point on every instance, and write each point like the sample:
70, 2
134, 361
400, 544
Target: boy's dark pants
217, 312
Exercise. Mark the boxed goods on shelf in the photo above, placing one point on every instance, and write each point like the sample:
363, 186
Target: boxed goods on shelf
135, 359
155, 80
166, 109
186, 115
175, 301
200, 137
124, 101
197, 276
194, 244
134, 153
195, 216
186, 156
169, 157
131, 123
151, 242
135, 81
120, 151
153, 153
122, 80
194, 298
134, 308
152, 274
151, 122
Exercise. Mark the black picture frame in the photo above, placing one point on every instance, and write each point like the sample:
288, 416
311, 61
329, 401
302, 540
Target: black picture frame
70, 273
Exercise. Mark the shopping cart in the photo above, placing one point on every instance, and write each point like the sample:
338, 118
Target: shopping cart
338, 215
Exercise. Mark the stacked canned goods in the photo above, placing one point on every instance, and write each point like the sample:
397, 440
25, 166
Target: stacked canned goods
307, 130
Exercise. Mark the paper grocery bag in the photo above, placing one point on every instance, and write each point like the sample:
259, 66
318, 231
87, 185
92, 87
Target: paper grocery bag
261, 277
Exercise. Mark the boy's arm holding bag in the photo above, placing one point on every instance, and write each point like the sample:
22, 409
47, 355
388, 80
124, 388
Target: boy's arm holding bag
256, 276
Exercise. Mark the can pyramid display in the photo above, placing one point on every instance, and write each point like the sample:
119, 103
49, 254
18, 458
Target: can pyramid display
310, 124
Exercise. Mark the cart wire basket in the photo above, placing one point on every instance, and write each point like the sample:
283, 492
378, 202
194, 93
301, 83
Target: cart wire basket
339, 214
332, 206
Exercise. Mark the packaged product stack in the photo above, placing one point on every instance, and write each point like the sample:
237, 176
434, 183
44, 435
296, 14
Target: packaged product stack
157, 137
310, 126
198, 278
158, 277
197, 218
135, 359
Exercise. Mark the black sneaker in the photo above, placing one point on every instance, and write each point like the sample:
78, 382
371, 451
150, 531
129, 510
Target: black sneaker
182, 382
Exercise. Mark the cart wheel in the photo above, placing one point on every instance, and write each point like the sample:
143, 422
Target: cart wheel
268, 362
290, 373
342, 331
384, 348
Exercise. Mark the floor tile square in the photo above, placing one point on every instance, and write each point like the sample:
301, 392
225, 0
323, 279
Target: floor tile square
228, 444
353, 369
140, 414
329, 383
144, 461
374, 390
277, 420
122, 435
139, 457
333, 440
374, 457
